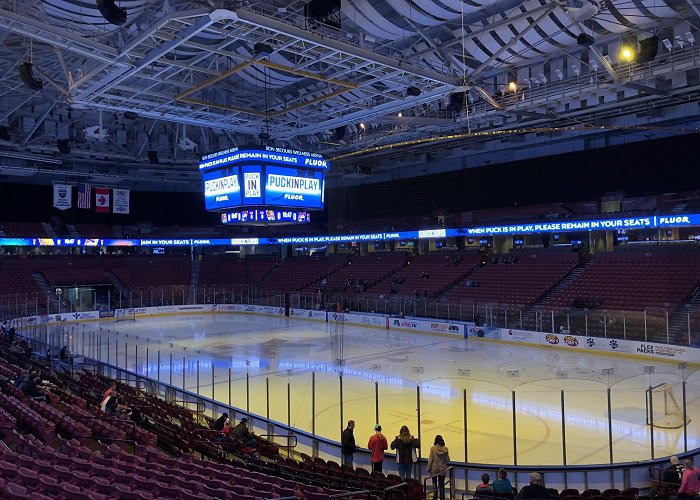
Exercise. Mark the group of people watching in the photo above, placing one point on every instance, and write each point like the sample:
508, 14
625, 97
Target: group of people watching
406, 446
29, 382
237, 436
683, 477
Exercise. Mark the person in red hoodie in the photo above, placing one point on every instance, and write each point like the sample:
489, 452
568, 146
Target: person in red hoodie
377, 444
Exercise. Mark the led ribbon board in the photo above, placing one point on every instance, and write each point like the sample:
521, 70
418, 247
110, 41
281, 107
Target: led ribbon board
656, 221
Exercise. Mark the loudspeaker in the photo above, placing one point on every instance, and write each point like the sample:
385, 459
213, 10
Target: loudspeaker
26, 73
63, 146
153, 157
262, 49
648, 49
456, 102
585, 39
413, 91
339, 134
112, 13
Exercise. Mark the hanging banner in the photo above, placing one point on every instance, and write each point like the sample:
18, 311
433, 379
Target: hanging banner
102, 200
62, 196
120, 205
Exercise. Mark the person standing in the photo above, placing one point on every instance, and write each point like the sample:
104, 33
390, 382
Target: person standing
690, 484
405, 445
347, 441
437, 466
377, 444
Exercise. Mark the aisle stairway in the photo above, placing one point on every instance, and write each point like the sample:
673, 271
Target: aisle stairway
194, 281
678, 322
530, 315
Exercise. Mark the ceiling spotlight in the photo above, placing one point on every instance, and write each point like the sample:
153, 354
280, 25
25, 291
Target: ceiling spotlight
362, 125
400, 114
413, 91
559, 74
543, 78
627, 54
512, 86
667, 43
691, 39
576, 70
112, 13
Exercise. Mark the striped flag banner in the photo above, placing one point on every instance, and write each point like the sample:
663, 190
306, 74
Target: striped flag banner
84, 196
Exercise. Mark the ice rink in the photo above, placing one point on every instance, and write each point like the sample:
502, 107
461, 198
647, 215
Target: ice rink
265, 364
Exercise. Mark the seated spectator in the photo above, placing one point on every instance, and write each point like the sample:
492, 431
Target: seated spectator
220, 422
11, 334
534, 489
29, 388
484, 488
113, 406
690, 483
23, 375
243, 434
63, 355
502, 484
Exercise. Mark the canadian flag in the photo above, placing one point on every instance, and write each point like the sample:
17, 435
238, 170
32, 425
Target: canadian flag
102, 200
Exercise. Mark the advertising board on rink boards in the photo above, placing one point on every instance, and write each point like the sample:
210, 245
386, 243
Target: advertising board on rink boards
569, 341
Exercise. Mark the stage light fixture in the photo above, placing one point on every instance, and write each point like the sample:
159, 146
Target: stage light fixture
627, 54
594, 66
559, 74
543, 78
26, 73
667, 43
576, 70
112, 13
513, 87
691, 39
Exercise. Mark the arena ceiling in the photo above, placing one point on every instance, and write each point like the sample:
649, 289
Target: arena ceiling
182, 78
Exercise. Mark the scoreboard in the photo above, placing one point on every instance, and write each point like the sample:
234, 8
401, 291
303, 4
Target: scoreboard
264, 179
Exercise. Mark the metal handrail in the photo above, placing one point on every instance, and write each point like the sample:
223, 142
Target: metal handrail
289, 438
351, 494
449, 481
113, 440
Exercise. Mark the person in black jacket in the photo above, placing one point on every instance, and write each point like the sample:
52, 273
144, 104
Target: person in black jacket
347, 441
219, 423
534, 490
405, 445
29, 388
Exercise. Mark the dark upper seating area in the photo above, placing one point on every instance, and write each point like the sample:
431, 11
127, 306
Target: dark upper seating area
230, 270
370, 269
296, 273
23, 229
428, 273
633, 280
517, 278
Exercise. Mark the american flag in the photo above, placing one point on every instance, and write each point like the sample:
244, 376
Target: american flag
84, 192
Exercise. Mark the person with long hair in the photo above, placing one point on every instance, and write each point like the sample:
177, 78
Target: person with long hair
405, 445
437, 466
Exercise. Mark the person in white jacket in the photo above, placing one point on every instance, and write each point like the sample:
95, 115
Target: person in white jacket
437, 465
